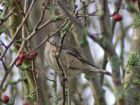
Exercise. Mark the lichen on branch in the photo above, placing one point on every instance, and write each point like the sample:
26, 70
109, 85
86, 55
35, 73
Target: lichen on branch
133, 60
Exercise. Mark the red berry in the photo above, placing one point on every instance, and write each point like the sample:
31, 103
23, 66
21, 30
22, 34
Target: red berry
23, 51
22, 56
117, 17
19, 61
33, 53
5, 99
28, 57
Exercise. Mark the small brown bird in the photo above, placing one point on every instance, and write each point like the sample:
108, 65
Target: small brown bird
68, 60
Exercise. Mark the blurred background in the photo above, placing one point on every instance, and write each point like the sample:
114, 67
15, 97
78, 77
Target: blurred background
34, 82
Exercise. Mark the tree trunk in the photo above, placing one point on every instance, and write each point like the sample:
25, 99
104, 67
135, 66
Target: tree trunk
132, 77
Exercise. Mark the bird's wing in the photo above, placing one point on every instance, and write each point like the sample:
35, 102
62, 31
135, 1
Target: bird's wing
75, 53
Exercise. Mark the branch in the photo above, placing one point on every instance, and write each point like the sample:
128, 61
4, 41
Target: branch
19, 27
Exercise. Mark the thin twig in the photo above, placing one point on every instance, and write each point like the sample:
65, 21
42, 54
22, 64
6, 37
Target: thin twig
49, 36
74, 20
4, 65
117, 8
41, 27
43, 13
11, 65
18, 28
36, 83
12, 83
63, 78
38, 28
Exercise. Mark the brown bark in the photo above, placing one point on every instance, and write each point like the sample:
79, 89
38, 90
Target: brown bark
39, 63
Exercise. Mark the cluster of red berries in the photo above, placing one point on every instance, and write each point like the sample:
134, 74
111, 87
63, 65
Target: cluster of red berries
116, 17
5, 99
25, 56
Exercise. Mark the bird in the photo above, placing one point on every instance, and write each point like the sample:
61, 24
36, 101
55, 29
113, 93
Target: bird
68, 61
